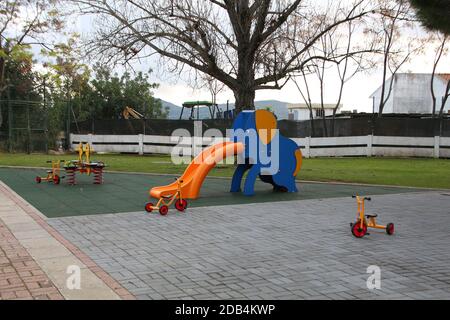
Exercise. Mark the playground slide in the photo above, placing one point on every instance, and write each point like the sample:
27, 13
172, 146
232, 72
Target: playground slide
196, 172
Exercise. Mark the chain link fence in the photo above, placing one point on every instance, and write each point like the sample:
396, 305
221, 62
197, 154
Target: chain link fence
23, 126
403, 126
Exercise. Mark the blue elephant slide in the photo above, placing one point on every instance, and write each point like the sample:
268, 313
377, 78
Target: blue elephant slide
261, 150
260, 154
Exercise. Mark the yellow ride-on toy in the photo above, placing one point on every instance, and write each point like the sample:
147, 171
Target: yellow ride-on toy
54, 174
365, 221
165, 201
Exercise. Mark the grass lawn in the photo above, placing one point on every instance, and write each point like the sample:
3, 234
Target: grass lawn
413, 172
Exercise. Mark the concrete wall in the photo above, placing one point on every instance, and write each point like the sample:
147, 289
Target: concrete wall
411, 94
382, 146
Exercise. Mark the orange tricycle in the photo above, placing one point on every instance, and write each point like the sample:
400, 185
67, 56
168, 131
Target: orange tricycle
53, 175
365, 221
165, 201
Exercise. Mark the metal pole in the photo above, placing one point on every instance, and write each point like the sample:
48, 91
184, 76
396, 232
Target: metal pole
45, 116
28, 129
68, 117
181, 114
373, 104
10, 115
145, 117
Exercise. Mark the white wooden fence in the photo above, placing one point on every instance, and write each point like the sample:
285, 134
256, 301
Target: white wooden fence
437, 147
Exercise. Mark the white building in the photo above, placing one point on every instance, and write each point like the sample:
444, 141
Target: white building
411, 93
300, 111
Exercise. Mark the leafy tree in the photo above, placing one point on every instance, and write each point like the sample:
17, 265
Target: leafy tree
66, 85
20, 75
112, 93
22, 23
21, 78
434, 14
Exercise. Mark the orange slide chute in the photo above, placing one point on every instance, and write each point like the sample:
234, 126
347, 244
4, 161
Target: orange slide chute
198, 169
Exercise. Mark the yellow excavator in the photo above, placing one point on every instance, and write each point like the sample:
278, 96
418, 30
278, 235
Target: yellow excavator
129, 112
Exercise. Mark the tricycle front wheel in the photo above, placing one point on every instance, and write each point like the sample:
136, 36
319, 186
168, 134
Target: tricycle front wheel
181, 205
56, 179
163, 210
359, 231
149, 207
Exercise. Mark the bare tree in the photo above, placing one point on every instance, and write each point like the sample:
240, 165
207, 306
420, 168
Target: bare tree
339, 58
396, 17
305, 92
354, 61
242, 43
215, 87
22, 22
441, 50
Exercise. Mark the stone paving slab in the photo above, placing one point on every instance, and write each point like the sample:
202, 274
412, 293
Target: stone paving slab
279, 250
34, 258
20, 276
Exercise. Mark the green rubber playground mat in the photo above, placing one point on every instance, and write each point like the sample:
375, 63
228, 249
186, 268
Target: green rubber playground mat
122, 192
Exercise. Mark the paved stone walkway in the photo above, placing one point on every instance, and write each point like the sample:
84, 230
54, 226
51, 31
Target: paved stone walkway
35, 258
20, 276
288, 250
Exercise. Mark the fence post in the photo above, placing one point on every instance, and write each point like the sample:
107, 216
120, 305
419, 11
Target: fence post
307, 147
369, 145
141, 144
10, 122
90, 139
70, 142
197, 142
437, 140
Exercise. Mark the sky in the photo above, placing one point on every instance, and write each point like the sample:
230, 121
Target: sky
355, 96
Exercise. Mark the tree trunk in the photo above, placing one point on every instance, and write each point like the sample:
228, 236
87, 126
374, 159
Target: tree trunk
333, 122
245, 99
444, 99
311, 120
433, 96
244, 92
324, 121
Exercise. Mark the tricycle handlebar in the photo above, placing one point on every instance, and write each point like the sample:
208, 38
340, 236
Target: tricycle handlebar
365, 198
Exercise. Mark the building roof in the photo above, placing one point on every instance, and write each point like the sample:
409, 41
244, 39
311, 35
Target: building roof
191, 104
443, 76
294, 106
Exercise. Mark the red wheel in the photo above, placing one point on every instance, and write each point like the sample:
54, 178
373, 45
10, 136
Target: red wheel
38, 179
163, 210
390, 229
56, 179
181, 205
357, 231
148, 207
